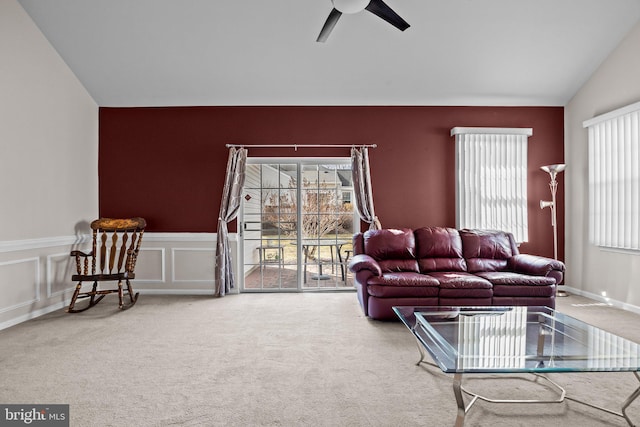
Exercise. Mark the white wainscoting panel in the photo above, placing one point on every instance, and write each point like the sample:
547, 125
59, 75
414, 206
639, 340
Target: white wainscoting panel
19, 283
195, 265
151, 266
60, 267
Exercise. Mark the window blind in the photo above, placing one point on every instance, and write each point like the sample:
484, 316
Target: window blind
614, 178
491, 179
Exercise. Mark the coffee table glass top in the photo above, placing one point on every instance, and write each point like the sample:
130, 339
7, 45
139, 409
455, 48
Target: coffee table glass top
516, 339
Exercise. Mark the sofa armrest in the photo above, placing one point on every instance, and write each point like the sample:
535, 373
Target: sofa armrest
534, 265
362, 262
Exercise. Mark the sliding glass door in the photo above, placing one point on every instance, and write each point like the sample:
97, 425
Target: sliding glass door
296, 226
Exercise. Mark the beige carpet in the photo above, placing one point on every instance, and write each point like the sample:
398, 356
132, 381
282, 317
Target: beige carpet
307, 359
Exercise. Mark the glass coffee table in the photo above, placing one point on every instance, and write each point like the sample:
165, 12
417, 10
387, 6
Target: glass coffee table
534, 340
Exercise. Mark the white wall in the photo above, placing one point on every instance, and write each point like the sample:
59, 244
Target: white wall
49, 186
591, 270
48, 166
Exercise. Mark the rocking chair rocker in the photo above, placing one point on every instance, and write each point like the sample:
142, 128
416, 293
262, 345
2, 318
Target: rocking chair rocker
116, 243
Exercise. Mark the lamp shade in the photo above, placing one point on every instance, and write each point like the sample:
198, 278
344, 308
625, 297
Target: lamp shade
553, 170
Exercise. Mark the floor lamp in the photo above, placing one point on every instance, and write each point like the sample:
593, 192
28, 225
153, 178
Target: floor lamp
553, 170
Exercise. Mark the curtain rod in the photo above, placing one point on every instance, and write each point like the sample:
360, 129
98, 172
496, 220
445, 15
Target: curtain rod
296, 146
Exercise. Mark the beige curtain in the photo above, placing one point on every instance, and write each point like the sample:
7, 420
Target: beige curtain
362, 187
229, 206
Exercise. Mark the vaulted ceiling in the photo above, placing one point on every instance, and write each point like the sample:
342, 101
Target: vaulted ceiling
264, 52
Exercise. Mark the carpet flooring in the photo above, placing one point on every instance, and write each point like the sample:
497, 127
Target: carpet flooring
287, 359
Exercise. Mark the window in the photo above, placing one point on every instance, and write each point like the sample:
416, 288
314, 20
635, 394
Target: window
491, 179
614, 178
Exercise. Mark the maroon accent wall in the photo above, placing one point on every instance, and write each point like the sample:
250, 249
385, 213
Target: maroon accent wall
168, 164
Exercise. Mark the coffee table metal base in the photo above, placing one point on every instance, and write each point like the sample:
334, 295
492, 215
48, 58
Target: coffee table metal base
464, 408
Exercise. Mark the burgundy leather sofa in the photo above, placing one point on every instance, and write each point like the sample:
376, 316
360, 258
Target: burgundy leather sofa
445, 266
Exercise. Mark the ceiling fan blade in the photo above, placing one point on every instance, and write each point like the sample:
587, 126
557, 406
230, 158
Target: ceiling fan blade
380, 9
331, 22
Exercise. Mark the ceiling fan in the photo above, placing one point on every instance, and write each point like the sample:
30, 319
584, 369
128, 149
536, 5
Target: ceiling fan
377, 7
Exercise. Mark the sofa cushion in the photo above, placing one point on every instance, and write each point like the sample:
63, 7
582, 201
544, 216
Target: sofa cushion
486, 250
468, 301
394, 249
519, 285
466, 293
509, 278
536, 291
439, 249
462, 285
405, 284
398, 265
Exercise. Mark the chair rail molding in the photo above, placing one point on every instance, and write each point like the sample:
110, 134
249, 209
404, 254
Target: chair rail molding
43, 242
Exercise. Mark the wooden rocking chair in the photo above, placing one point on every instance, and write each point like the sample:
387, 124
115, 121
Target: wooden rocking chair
116, 243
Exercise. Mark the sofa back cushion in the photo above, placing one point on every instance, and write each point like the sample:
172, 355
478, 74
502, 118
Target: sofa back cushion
393, 249
486, 250
439, 249
358, 243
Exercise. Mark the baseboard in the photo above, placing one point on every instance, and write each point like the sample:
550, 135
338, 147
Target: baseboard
61, 304
176, 292
33, 314
603, 299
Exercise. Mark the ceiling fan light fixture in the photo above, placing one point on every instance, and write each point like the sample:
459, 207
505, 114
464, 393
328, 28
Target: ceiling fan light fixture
350, 6
377, 7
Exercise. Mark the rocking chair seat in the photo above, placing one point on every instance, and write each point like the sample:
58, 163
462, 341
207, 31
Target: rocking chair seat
116, 243
102, 277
